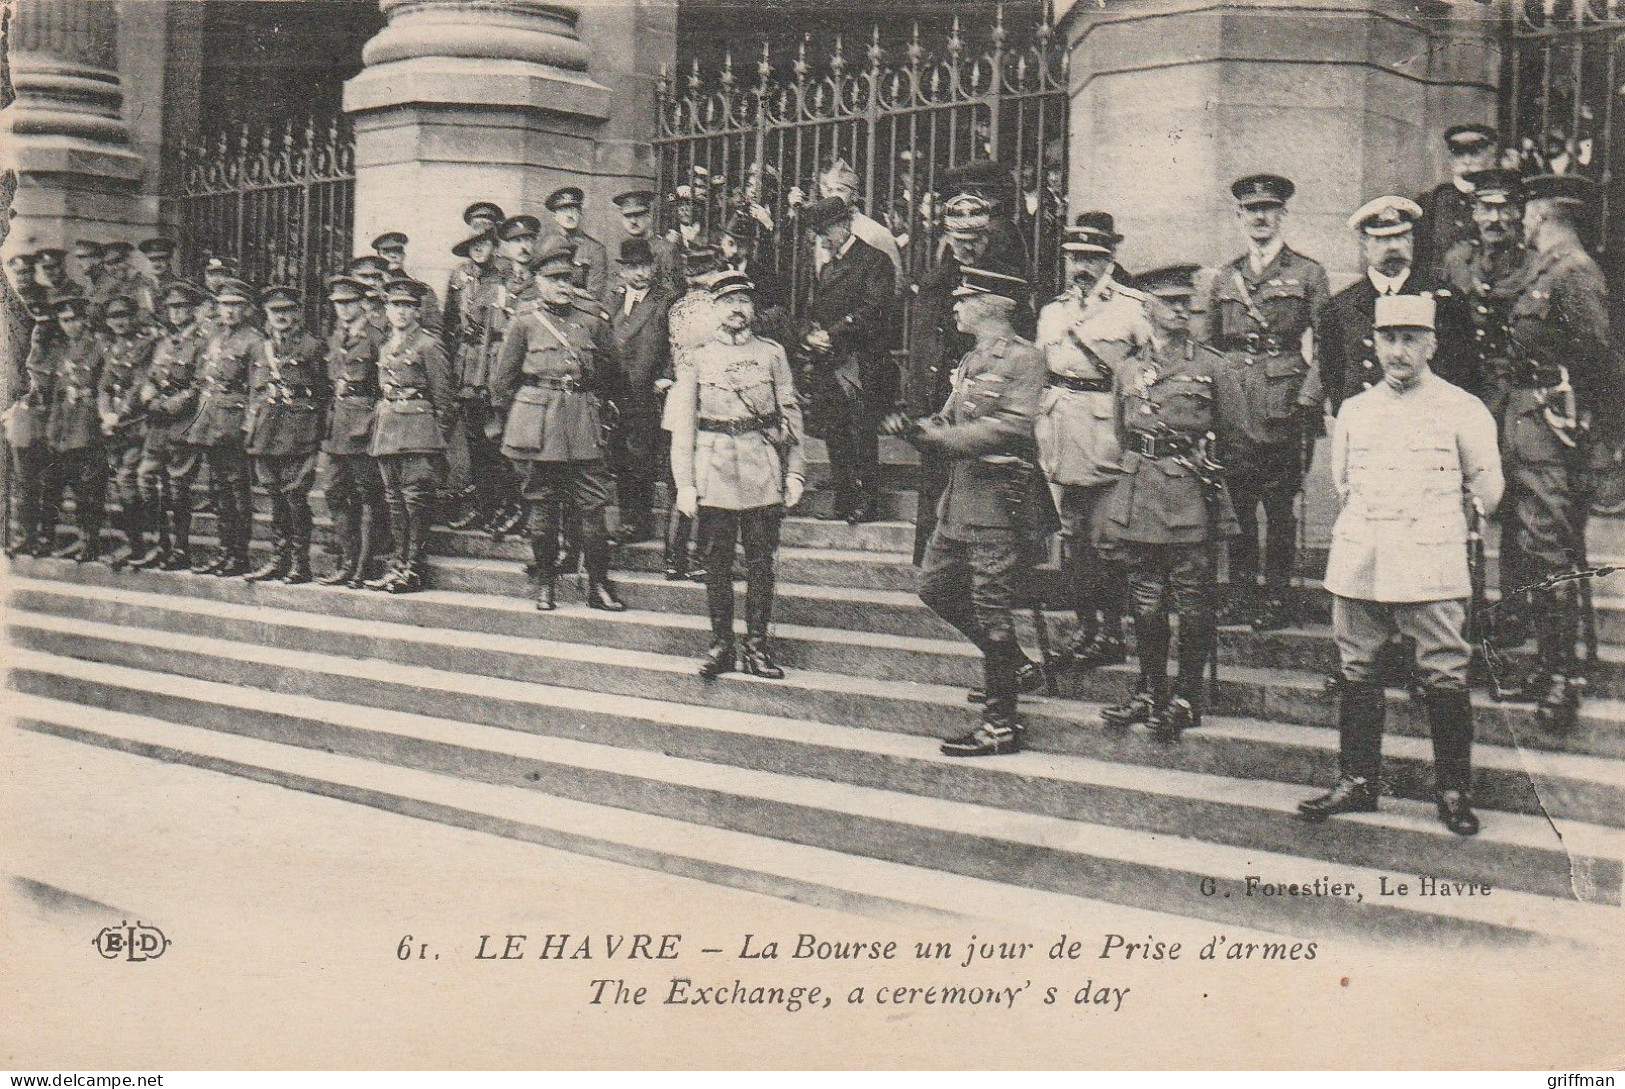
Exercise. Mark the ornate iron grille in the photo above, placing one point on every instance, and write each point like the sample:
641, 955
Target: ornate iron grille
279, 199
899, 124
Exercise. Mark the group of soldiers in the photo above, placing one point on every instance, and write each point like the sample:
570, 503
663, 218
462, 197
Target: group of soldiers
1149, 419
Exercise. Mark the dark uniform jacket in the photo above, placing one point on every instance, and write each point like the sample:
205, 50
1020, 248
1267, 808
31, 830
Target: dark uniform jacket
287, 387
642, 349
1447, 221
986, 427
118, 391
458, 312
852, 301
473, 339
935, 345
1345, 347
1486, 283
169, 392
28, 414
414, 395
74, 422
1258, 322
1187, 393
555, 366
352, 379
592, 264
222, 385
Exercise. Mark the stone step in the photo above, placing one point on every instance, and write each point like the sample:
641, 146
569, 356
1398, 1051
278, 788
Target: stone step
970, 838
505, 639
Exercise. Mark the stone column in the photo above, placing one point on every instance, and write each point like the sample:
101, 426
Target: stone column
504, 100
65, 133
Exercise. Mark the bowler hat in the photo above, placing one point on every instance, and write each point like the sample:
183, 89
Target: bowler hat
636, 251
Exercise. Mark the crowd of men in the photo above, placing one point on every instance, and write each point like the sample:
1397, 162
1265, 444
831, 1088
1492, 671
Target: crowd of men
1150, 419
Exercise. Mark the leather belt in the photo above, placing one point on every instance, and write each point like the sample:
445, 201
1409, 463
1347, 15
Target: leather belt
741, 426
563, 382
1152, 446
1079, 385
1254, 344
405, 395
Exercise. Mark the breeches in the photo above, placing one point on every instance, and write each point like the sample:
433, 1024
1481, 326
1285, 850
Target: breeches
1439, 628
972, 585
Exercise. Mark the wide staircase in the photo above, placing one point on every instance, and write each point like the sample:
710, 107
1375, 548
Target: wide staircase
592, 732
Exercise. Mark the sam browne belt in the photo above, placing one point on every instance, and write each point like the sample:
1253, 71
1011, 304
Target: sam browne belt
1152, 446
745, 425
1078, 385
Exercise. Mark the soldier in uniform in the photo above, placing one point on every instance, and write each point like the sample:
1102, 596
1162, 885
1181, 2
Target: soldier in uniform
51, 270
373, 272
1169, 508
120, 279
126, 351
846, 336
391, 246
1091, 332
1403, 454
216, 429
355, 490
1563, 378
287, 396
26, 422
737, 458
88, 255
1447, 209
556, 370
169, 398
989, 510
592, 259
1261, 305
482, 218
637, 316
690, 322
637, 216
73, 429
160, 255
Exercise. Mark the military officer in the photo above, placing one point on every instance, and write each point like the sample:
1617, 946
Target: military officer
1260, 307
637, 217
1095, 329
126, 350
984, 178
169, 397
1447, 209
739, 464
556, 370
478, 253
88, 255
26, 421
391, 246
160, 256
373, 271
1563, 379
637, 315
51, 270
1169, 508
690, 322
1403, 454
592, 259
286, 398
121, 278
994, 503
216, 429
73, 429
355, 490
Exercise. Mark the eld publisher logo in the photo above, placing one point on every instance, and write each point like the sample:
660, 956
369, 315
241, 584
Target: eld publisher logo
132, 942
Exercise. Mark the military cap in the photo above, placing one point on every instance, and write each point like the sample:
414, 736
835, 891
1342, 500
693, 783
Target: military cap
1262, 190
1575, 188
556, 256
233, 290
483, 209
369, 263
1463, 139
157, 247
118, 248
982, 281
119, 306
731, 282
978, 176
569, 196
1404, 312
345, 289
466, 246
281, 297
636, 251
518, 227
50, 255
634, 201
821, 213
21, 260
700, 259
86, 248
404, 290
1092, 232
742, 226
390, 240
225, 265
1174, 282
70, 301
966, 215
682, 193
1386, 216
1496, 186
181, 293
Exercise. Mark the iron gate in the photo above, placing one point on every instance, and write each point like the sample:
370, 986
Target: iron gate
278, 199
899, 124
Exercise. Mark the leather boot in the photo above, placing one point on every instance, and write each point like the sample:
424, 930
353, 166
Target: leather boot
1361, 714
679, 527
1105, 649
600, 591
277, 566
1450, 720
299, 551
758, 660
396, 567
543, 555
507, 519
131, 549
366, 539
1144, 704
1183, 710
719, 659
999, 732
91, 532
158, 517
346, 530
1557, 625
234, 523
180, 533
1029, 679
414, 540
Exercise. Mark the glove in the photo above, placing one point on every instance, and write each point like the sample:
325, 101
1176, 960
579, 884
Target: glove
663, 384
899, 426
794, 486
688, 502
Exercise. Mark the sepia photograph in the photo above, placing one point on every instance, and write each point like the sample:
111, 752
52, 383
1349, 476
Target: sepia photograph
812, 535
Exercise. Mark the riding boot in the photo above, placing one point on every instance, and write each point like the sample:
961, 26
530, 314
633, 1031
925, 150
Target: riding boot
758, 656
544, 555
400, 538
1558, 625
1450, 719
1362, 711
90, 530
128, 524
413, 540
1144, 704
1184, 709
999, 732
679, 527
298, 548
345, 543
180, 532
366, 538
155, 515
281, 544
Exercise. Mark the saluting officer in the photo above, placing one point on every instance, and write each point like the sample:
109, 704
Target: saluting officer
739, 464
591, 258
556, 370
169, 396
1261, 305
287, 395
74, 431
1407, 456
1447, 209
26, 422
1091, 332
1169, 508
126, 350
355, 490
990, 509
1562, 380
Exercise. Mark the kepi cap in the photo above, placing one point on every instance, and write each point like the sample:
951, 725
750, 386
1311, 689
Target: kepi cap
404, 290
981, 281
731, 282
521, 226
1463, 139
557, 256
369, 264
233, 290
1262, 190
1385, 217
966, 215
1404, 312
569, 196
1092, 232
345, 289
1496, 186
1175, 282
